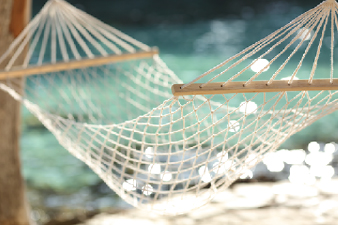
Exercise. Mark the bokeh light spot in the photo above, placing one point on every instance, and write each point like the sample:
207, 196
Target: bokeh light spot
260, 64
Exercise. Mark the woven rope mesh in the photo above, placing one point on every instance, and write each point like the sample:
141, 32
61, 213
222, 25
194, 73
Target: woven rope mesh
159, 152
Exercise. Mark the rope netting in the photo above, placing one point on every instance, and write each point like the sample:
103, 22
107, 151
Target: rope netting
159, 152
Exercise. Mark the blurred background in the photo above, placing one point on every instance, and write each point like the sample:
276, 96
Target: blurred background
192, 36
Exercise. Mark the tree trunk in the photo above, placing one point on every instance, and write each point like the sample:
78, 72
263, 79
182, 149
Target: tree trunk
14, 15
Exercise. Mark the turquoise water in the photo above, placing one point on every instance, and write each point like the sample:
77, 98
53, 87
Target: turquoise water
189, 50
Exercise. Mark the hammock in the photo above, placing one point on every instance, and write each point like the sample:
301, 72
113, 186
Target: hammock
106, 97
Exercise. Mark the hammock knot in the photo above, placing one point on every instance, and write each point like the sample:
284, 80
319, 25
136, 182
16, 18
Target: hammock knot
330, 3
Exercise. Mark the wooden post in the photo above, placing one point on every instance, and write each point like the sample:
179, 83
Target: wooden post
14, 15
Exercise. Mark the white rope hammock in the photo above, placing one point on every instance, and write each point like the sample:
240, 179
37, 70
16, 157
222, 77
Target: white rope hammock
106, 98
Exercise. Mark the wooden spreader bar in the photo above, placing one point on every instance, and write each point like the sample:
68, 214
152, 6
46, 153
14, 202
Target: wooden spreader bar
74, 64
254, 86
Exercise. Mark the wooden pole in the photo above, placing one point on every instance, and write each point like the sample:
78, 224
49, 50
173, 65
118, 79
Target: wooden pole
14, 15
254, 87
74, 64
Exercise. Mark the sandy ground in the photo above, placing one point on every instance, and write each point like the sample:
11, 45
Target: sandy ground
259, 203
